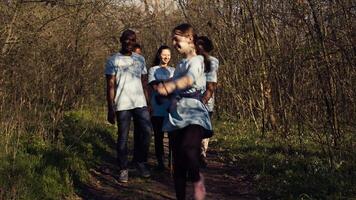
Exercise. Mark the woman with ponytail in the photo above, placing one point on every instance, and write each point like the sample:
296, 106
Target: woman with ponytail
205, 47
188, 120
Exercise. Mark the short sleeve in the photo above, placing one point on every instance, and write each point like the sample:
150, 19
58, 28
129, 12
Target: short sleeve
212, 75
195, 68
151, 74
110, 67
171, 72
144, 68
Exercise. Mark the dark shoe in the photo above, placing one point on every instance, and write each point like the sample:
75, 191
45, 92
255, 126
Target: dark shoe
160, 167
124, 176
143, 170
132, 164
202, 162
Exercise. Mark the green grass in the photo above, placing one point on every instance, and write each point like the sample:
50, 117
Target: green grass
49, 170
281, 171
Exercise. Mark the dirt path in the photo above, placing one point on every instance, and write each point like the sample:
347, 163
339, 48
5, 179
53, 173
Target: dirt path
223, 182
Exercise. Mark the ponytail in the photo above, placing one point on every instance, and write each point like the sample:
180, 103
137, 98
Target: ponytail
201, 50
207, 62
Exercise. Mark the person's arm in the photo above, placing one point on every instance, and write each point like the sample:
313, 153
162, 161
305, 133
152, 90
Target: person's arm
210, 89
144, 81
211, 81
110, 95
168, 87
195, 70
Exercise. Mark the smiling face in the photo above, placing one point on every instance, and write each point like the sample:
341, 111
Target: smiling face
128, 42
165, 57
183, 44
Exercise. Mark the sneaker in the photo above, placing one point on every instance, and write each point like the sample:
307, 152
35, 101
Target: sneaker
124, 176
143, 170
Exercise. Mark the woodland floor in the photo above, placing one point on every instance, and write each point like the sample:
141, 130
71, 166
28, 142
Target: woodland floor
223, 182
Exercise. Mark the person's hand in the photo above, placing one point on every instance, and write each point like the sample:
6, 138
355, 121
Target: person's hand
111, 116
162, 89
149, 108
204, 100
166, 88
154, 87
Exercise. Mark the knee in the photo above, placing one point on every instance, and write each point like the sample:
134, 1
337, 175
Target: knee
190, 153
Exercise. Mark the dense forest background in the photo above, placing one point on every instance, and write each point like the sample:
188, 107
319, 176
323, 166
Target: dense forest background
287, 71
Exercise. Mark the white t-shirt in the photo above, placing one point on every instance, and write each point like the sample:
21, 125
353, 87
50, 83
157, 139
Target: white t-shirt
128, 71
158, 73
212, 76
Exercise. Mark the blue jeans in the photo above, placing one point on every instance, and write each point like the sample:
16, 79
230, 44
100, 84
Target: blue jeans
142, 126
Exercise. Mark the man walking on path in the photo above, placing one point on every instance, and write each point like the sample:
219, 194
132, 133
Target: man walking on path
126, 78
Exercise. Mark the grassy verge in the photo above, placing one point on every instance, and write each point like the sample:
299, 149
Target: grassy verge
282, 171
49, 170
279, 169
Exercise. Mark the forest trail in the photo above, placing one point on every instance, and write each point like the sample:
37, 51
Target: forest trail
223, 182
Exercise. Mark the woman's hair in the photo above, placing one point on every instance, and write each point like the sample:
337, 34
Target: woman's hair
187, 30
205, 43
157, 59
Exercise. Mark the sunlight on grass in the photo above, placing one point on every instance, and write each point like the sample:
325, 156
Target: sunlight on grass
279, 172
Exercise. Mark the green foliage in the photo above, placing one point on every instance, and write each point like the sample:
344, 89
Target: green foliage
43, 170
31, 177
280, 172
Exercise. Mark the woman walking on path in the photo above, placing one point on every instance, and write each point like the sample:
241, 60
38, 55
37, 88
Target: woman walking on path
188, 119
160, 72
206, 46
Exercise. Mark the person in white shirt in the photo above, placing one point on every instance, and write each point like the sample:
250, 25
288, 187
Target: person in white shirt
206, 46
188, 119
159, 72
126, 77
136, 49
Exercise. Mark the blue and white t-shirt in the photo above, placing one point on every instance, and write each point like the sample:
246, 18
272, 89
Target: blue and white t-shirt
128, 71
159, 73
186, 111
212, 76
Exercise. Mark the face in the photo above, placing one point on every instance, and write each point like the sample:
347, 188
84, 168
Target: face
138, 51
165, 56
129, 42
182, 44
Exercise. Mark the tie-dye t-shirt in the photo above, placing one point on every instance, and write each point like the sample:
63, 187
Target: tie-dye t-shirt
212, 76
186, 111
159, 105
128, 71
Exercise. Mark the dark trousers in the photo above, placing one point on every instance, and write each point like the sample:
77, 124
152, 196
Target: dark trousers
142, 126
157, 123
186, 144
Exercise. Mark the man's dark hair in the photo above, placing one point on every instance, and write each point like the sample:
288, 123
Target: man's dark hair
125, 34
137, 46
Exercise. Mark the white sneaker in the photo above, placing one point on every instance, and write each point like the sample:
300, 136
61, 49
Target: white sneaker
124, 176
